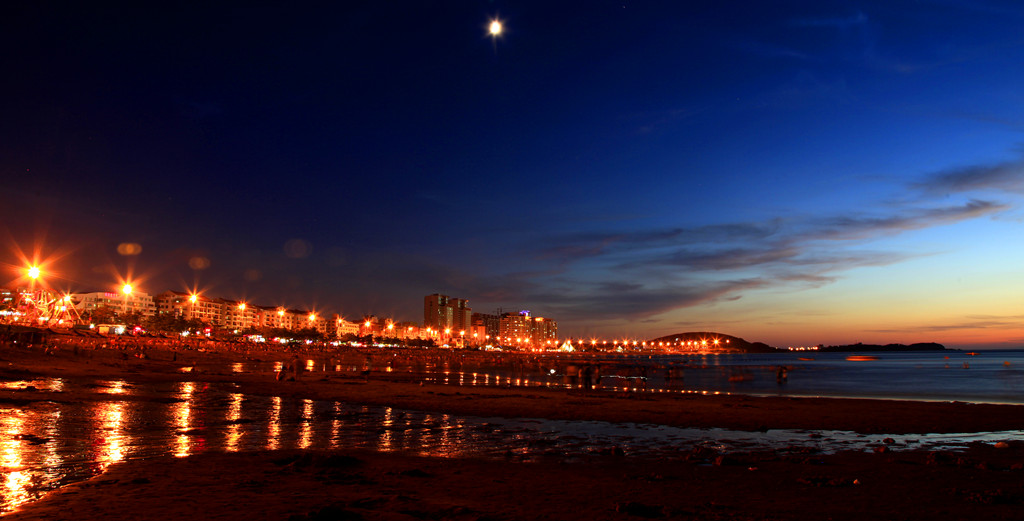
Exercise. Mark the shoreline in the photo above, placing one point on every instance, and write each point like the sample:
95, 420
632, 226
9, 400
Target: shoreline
404, 390
985, 480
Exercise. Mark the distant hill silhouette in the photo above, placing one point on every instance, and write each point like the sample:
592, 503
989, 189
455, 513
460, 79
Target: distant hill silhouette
923, 346
726, 343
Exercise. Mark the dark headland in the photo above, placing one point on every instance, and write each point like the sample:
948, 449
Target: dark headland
707, 341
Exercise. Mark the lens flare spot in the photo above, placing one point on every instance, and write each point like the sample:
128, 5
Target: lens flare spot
199, 263
129, 248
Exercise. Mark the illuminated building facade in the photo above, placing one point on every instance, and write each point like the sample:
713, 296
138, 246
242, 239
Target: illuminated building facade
120, 303
236, 315
485, 326
520, 329
190, 307
441, 312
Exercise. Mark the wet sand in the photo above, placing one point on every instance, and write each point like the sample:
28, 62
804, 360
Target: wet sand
984, 481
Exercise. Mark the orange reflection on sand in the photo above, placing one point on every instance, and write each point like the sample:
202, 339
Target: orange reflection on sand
442, 445
306, 433
16, 482
110, 416
181, 414
234, 429
386, 436
274, 424
335, 425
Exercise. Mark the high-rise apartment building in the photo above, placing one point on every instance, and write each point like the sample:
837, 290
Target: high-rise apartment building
520, 329
485, 326
442, 312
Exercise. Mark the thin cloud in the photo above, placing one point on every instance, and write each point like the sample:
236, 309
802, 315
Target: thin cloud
658, 271
1005, 176
853, 228
637, 302
969, 322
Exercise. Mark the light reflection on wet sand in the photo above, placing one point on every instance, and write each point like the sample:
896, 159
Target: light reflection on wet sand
180, 414
234, 429
306, 425
45, 444
16, 480
111, 440
274, 424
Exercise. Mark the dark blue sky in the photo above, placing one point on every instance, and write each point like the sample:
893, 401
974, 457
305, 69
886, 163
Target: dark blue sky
791, 172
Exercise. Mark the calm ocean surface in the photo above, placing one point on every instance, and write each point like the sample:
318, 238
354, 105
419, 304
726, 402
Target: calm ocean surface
995, 376
986, 377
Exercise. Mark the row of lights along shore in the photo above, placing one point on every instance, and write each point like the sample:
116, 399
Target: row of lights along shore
36, 295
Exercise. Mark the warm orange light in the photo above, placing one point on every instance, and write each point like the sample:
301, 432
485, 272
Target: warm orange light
193, 299
242, 306
312, 317
280, 312
33, 272
495, 28
127, 289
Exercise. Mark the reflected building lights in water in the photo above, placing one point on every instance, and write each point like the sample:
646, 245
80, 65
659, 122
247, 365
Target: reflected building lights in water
306, 431
181, 415
335, 425
385, 441
16, 481
234, 414
237, 368
110, 416
43, 384
310, 366
274, 424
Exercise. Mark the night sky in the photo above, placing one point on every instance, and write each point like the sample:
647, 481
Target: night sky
794, 172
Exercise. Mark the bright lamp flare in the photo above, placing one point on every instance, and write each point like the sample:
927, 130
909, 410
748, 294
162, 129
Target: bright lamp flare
33, 272
494, 28
127, 289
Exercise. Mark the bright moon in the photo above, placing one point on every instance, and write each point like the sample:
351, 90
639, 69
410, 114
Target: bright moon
495, 28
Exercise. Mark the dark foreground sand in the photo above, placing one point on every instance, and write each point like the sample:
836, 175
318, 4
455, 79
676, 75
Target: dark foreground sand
984, 482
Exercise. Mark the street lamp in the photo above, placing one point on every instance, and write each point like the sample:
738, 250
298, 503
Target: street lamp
127, 290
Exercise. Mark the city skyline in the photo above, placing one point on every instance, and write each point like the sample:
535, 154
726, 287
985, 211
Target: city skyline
792, 174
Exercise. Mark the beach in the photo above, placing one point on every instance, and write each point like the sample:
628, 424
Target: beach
984, 480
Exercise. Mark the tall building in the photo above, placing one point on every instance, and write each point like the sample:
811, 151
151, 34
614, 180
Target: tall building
545, 332
485, 327
441, 312
522, 330
516, 328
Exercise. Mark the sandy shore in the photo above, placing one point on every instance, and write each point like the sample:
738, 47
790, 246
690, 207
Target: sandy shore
985, 481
